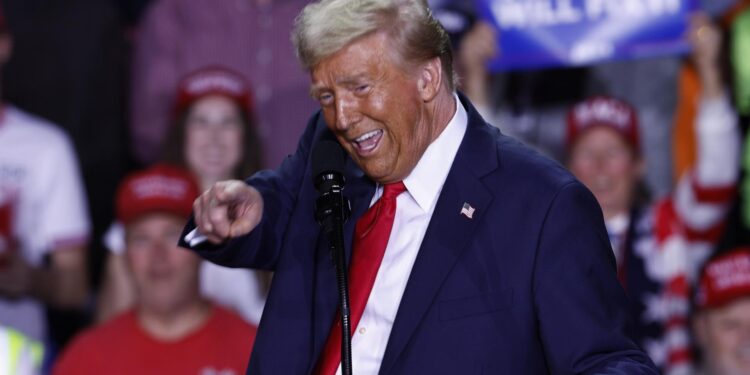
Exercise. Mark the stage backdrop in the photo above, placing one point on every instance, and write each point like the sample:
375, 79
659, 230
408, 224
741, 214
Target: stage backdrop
545, 33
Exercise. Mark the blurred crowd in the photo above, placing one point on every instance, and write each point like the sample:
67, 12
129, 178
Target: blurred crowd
115, 114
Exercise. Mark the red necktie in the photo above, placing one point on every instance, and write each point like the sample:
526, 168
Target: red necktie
370, 239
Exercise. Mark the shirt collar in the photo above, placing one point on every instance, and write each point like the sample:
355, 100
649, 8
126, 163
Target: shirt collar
618, 224
425, 182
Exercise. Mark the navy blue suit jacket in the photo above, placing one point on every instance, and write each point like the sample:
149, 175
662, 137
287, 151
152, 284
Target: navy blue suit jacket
527, 286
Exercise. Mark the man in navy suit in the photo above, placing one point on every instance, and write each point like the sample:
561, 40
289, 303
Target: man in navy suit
497, 261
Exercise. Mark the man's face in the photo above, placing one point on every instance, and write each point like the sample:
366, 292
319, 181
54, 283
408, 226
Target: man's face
724, 336
166, 276
374, 106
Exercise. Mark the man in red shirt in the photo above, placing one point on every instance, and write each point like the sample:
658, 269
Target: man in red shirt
172, 329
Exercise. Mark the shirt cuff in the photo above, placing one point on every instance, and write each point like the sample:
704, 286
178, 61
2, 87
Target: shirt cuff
195, 238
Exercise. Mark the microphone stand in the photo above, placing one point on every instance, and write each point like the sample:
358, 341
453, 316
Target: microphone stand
332, 209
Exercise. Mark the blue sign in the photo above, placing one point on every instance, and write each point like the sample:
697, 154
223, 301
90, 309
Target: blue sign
546, 33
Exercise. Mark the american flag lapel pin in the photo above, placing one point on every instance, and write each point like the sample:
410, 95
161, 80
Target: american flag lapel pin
467, 210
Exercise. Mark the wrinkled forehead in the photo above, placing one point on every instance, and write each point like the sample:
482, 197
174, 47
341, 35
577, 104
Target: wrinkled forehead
367, 57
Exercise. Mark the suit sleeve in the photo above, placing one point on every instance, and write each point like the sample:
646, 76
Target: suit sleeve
581, 308
261, 247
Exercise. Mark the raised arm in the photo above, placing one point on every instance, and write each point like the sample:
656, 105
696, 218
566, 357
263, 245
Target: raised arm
703, 195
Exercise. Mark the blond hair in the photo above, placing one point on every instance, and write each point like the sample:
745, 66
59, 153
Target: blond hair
326, 26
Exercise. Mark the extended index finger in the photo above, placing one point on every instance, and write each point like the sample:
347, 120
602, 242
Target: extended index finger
203, 208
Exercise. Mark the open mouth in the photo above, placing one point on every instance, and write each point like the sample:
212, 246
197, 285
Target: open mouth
366, 143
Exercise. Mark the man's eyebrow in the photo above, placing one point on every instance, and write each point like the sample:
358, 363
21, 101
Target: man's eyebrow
315, 90
356, 78
348, 80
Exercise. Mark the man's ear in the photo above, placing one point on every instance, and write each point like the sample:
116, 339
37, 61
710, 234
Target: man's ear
6, 47
430, 79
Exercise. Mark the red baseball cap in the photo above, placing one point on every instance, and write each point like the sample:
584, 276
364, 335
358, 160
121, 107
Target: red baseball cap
161, 188
213, 80
603, 111
724, 279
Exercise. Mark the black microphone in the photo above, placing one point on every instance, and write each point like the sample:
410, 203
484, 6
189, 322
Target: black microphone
331, 211
327, 165
328, 178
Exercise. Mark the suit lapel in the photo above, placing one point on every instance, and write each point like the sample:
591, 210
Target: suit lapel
448, 233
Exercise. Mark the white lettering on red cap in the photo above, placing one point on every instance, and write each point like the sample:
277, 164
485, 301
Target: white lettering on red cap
730, 273
209, 82
159, 186
605, 111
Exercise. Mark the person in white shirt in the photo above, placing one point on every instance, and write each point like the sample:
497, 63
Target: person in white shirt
44, 222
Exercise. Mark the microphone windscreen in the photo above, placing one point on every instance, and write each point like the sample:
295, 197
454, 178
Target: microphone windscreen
327, 157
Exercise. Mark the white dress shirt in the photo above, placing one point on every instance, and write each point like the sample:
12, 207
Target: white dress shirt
414, 209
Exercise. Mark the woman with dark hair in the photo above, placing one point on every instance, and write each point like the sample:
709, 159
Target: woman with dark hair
213, 136
214, 133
